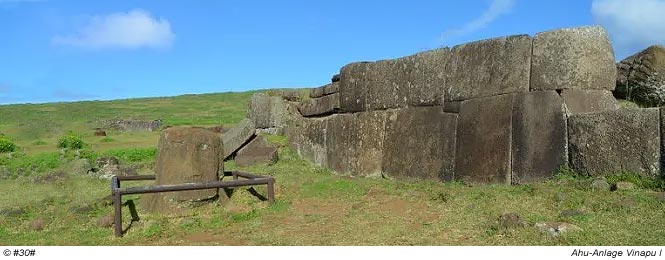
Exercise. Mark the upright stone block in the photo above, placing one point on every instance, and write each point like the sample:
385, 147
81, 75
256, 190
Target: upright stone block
235, 138
339, 143
608, 142
573, 58
484, 137
540, 137
420, 143
331, 88
353, 87
489, 68
585, 101
186, 155
268, 111
427, 77
368, 140
311, 141
388, 84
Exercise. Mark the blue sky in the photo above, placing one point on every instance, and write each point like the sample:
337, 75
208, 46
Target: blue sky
58, 50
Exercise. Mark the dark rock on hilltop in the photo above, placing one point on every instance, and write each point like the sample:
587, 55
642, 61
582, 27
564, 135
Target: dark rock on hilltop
641, 77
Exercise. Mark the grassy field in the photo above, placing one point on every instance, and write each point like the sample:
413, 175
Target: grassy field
313, 205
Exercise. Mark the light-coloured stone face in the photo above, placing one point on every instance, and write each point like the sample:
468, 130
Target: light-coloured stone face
236, 137
608, 142
488, 68
573, 58
585, 101
320, 106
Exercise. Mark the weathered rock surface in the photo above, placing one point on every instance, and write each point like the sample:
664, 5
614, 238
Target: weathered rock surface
625, 140
427, 77
186, 155
511, 221
132, 125
556, 229
573, 58
235, 138
540, 138
309, 140
320, 106
268, 111
585, 101
484, 137
331, 88
489, 68
353, 87
600, 184
624, 185
641, 77
257, 151
420, 143
355, 142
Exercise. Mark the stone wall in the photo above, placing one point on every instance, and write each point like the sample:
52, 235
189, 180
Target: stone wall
513, 109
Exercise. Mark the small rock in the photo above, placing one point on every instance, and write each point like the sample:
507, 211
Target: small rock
624, 185
15, 212
660, 196
555, 229
105, 222
336, 78
572, 213
51, 177
4, 173
100, 132
189, 222
84, 209
79, 166
626, 203
600, 184
37, 225
511, 220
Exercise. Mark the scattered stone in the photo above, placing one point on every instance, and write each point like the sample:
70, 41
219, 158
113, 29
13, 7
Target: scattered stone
105, 161
615, 141
132, 125
81, 209
237, 137
37, 225
335, 78
556, 229
256, 151
600, 184
641, 77
105, 222
569, 213
4, 172
12, 212
511, 220
100, 132
573, 58
79, 167
51, 177
626, 203
624, 185
660, 197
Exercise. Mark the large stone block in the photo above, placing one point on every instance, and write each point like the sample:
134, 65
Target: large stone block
310, 140
257, 151
388, 83
320, 106
325, 90
353, 88
489, 68
624, 140
573, 58
238, 136
186, 155
268, 111
484, 137
427, 77
540, 137
355, 142
420, 143
585, 101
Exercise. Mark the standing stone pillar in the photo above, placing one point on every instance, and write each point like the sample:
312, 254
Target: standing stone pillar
186, 155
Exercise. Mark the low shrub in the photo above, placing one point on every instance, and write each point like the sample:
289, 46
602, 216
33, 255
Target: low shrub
6, 144
71, 140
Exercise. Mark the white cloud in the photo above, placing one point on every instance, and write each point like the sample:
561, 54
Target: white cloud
131, 30
632, 24
496, 9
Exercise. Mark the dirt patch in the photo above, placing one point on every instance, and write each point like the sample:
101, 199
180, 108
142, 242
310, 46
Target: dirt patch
214, 239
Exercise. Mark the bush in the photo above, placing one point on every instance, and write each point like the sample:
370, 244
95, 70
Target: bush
71, 140
6, 144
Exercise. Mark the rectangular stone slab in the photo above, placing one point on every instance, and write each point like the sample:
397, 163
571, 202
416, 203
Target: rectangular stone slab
609, 142
488, 68
324, 90
368, 141
235, 138
353, 89
339, 143
387, 83
573, 58
540, 137
427, 77
320, 106
311, 142
420, 144
585, 101
484, 137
